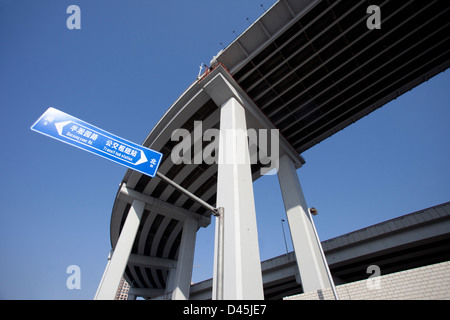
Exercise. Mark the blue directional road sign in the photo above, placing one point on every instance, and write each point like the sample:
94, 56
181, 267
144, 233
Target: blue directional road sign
63, 127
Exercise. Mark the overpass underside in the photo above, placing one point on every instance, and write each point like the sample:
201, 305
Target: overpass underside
409, 241
327, 69
307, 68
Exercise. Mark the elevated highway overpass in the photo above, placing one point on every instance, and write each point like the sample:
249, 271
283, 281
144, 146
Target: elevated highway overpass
308, 68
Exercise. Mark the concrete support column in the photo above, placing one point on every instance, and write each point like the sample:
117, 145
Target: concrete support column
183, 271
242, 264
312, 268
170, 283
115, 269
104, 273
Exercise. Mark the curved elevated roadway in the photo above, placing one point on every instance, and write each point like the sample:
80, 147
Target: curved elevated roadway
309, 68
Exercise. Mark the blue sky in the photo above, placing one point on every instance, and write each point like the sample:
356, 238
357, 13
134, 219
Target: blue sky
125, 67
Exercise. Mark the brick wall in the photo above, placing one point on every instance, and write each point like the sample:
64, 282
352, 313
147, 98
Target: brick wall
425, 283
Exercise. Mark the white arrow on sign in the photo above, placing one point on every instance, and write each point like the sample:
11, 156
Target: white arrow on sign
143, 158
60, 125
